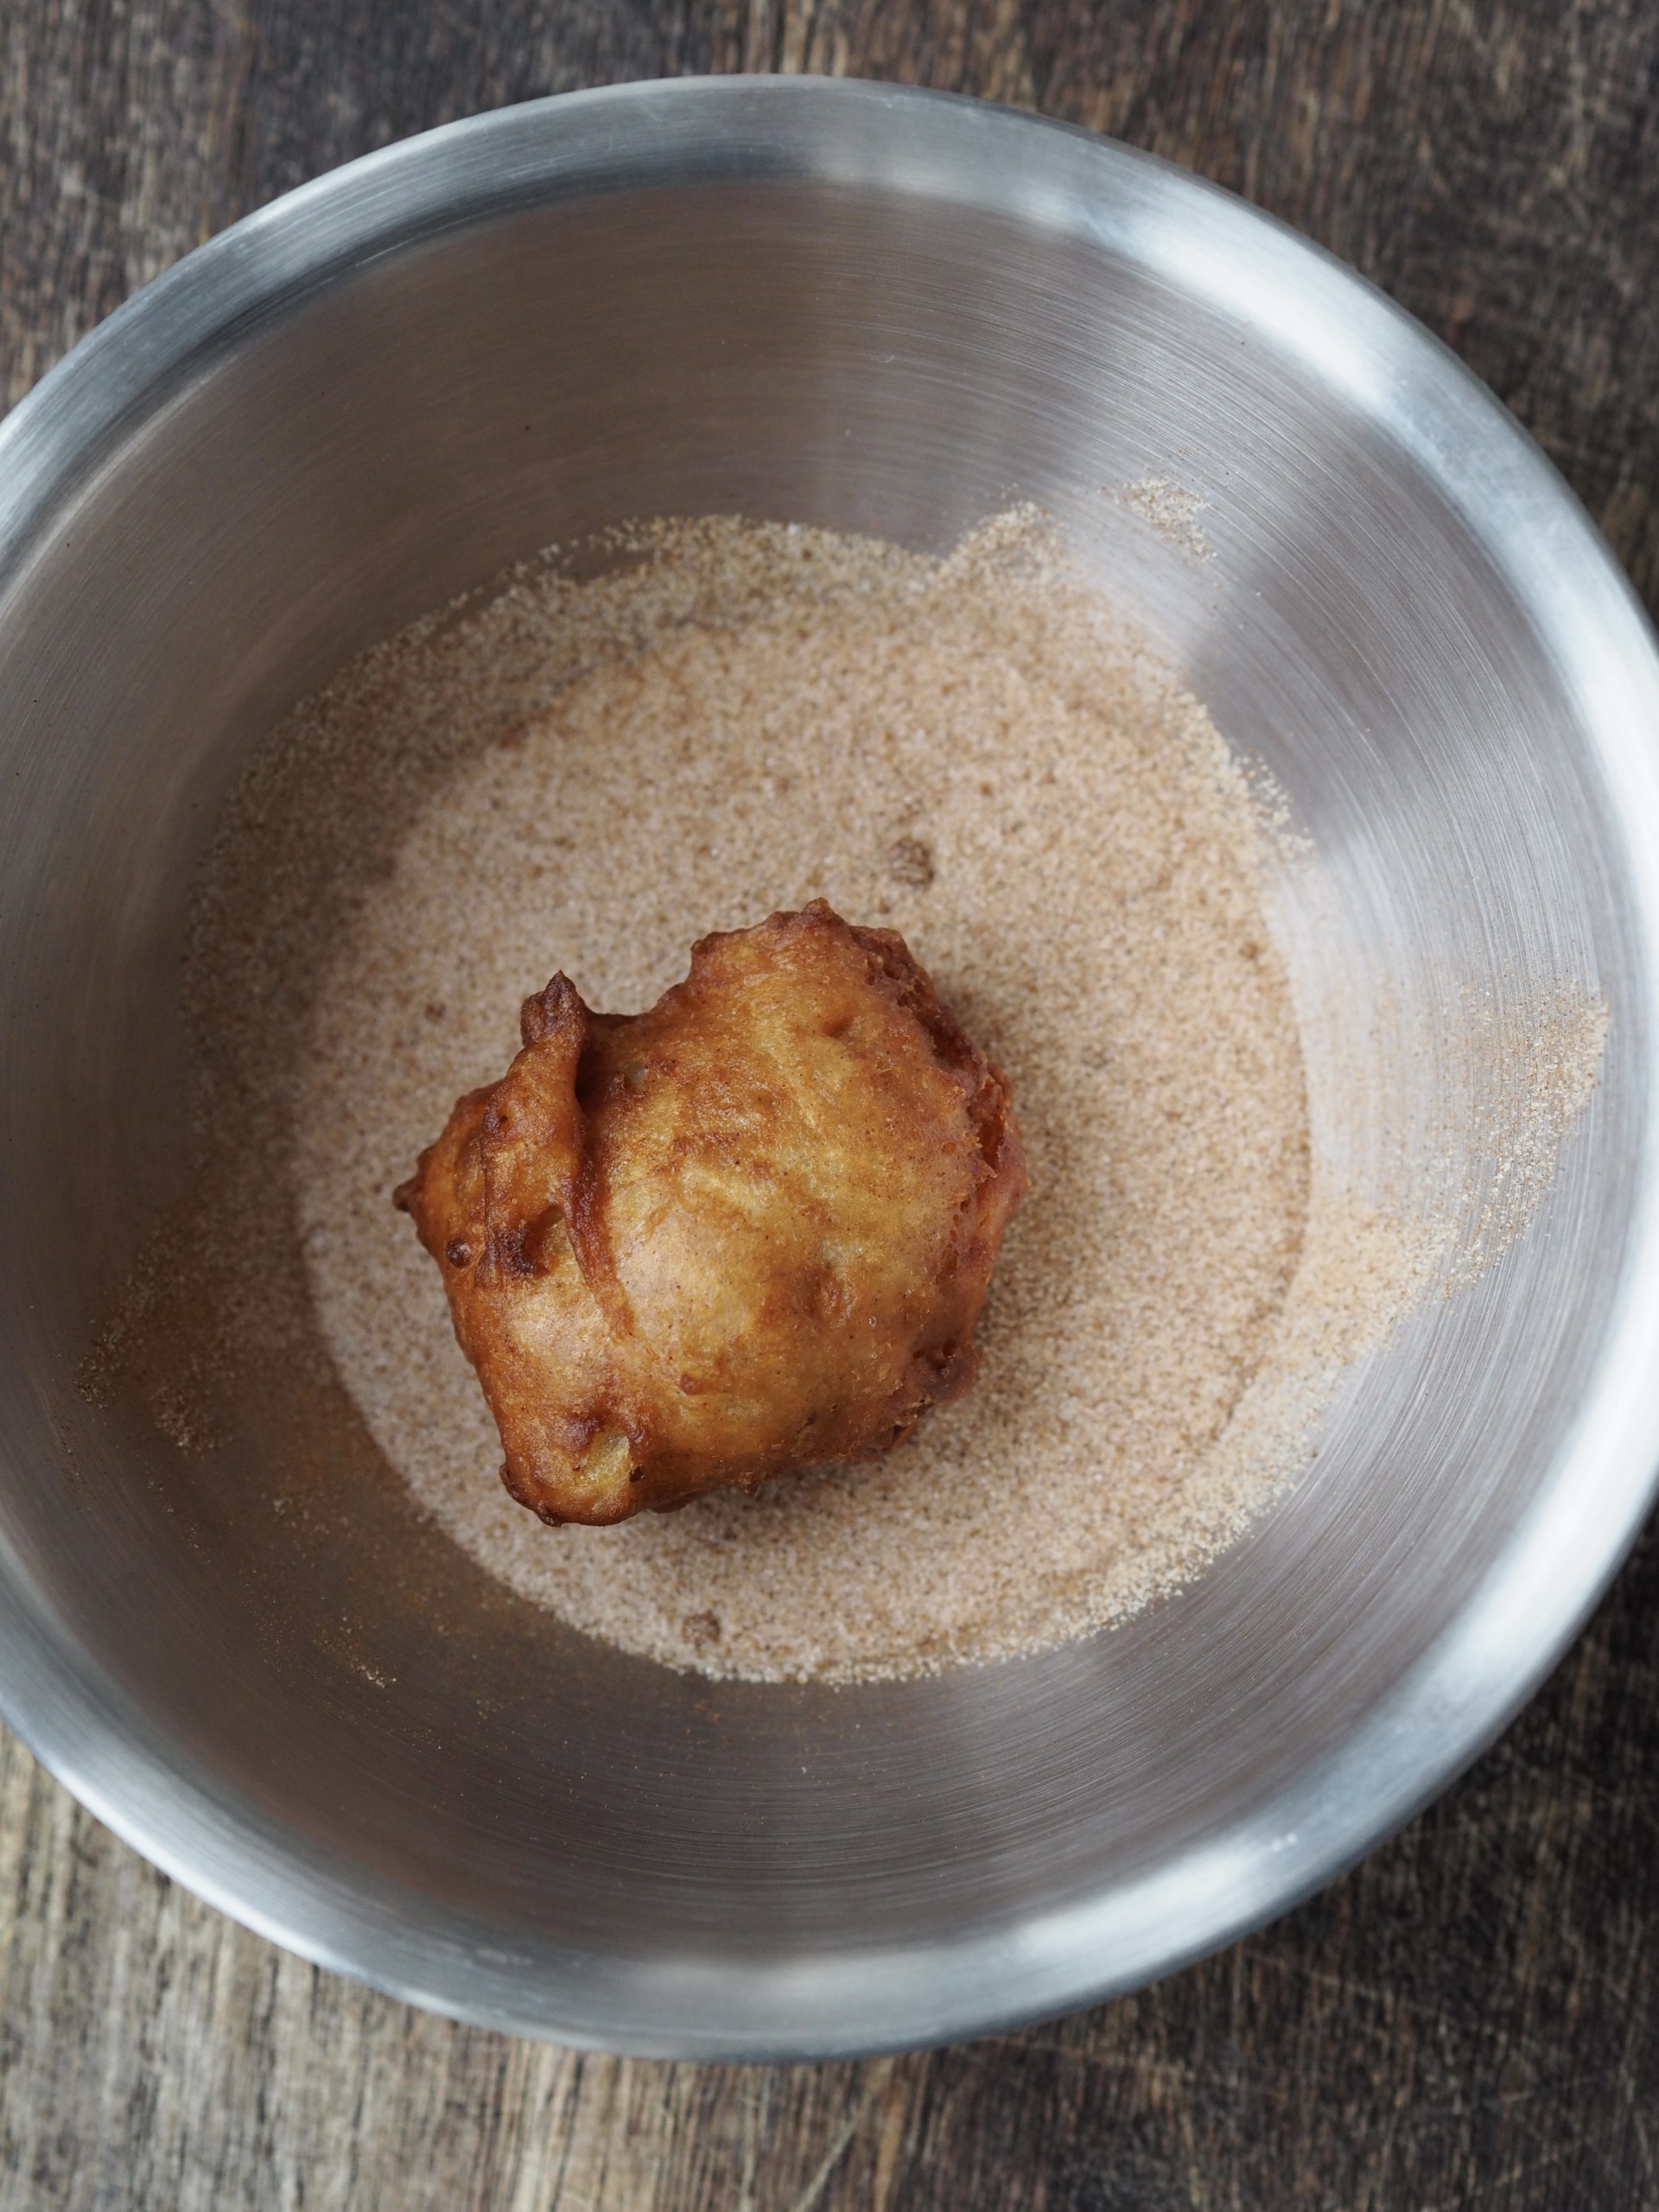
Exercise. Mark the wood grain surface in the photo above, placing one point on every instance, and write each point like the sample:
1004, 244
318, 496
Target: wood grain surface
1469, 2019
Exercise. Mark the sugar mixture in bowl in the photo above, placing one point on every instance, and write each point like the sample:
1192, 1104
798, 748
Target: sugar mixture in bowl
601, 759
966, 750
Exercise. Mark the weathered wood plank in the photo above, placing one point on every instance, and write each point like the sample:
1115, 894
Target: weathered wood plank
1468, 2018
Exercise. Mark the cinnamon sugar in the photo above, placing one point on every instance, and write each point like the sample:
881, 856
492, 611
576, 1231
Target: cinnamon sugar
969, 751
591, 763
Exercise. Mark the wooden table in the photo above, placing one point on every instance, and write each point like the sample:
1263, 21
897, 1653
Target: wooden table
1469, 2019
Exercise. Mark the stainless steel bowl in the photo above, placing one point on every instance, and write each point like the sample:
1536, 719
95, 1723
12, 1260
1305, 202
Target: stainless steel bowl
880, 311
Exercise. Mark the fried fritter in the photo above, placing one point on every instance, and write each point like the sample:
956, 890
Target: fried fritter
749, 1229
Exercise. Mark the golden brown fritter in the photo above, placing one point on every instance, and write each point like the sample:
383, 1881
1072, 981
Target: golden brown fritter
749, 1229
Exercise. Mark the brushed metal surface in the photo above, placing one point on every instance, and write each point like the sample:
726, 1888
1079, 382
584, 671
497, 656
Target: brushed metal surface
875, 311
